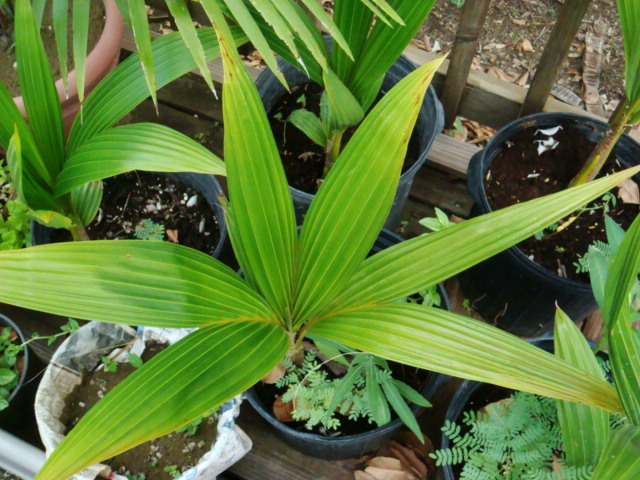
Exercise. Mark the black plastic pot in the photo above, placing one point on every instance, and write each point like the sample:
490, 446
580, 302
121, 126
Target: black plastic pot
476, 395
19, 417
429, 124
349, 446
206, 185
509, 288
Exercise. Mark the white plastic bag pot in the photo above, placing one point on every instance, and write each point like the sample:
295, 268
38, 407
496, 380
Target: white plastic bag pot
83, 350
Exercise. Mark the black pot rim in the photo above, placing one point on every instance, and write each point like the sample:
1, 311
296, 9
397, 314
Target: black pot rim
410, 172
494, 144
11, 324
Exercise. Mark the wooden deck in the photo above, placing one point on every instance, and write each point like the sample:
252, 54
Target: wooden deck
439, 183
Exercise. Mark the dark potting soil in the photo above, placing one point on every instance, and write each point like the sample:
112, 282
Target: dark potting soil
303, 160
133, 197
414, 377
8, 72
179, 449
518, 174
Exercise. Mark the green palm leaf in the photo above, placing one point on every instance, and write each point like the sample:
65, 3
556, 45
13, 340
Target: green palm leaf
442, 341
182, 17
404, 269
39, 93
621, 458
354, 19
125, 87
14, 162
260, 204
80, 35
140, 27
384, 46
623, 343
86, 200
60, 25
182, 383
339, 231
132, 282
244, 19
629, 11
140, 146
584, 428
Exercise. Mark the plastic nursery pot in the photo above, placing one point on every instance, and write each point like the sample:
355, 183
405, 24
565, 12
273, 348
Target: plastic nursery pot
348, 446
100, 61
472, 395
206, 185
19, 418
509, 288
82, 351
428, 125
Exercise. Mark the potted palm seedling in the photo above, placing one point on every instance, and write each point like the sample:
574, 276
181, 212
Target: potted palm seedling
328, 96
541, 154
59, 179
316, 284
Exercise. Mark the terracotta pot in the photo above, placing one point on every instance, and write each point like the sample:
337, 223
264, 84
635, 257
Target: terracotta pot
100, 61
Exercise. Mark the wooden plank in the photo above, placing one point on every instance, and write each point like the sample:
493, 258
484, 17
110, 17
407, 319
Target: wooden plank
451, 155
464, 50
271, 459
555, 53
447, 192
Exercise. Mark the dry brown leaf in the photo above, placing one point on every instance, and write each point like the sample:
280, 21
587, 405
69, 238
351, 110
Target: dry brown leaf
274, 375
523, 80
476, 64
409, 460
495, 409
498, 73
525, 46
172, 235
519, 21
282, 410
360, 475
628, 192
386, 463
386, 474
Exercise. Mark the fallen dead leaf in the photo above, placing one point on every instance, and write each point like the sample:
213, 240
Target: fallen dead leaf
361, 475
274, 375
282, 410
386, 463
172, 235
409, 459
386, 474
501, 74
525, 46
629, 192
519, 21
523, 80
476, 64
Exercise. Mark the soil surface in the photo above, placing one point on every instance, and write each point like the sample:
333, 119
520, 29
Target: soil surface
179, 449
131, 198
304, 160
518, 174
415, 378
510, 22
8, 72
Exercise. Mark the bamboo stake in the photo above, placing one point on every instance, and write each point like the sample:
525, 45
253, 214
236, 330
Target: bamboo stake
471, 22
555, 52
